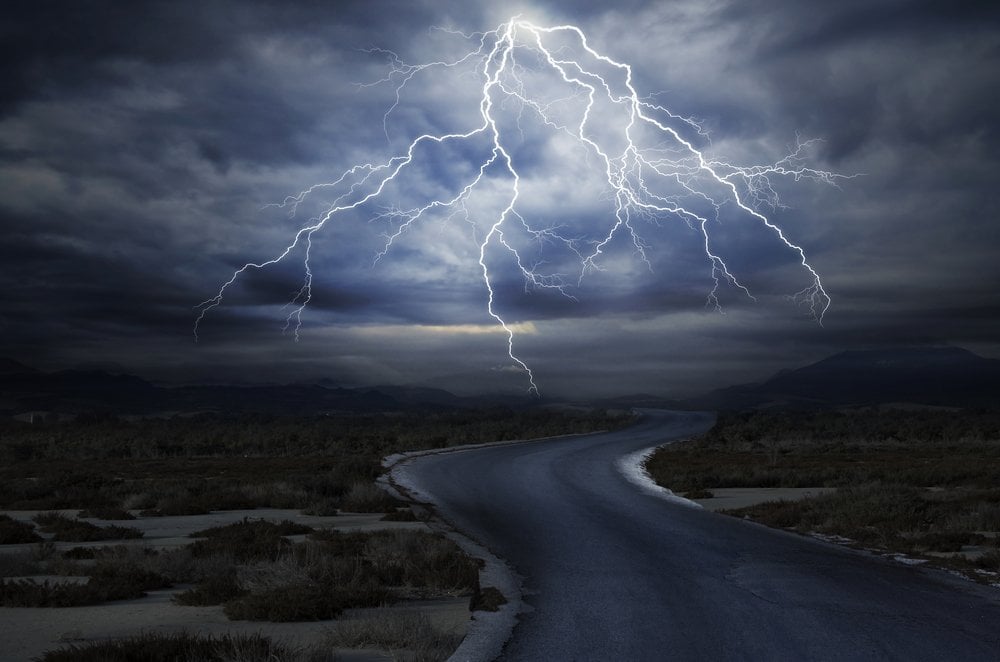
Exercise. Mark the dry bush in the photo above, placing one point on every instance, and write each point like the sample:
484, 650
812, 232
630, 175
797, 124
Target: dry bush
404, 634
107, 513
489, 598
214, 590
419, 559
248, 540
73, 530
15, 532
105, 584
155, 647
367, 498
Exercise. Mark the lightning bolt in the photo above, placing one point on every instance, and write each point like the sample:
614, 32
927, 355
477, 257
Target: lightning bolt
650, 165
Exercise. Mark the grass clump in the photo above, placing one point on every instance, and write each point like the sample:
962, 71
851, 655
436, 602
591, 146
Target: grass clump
66, 529
320, 578
489, 598
214, 590
247, 540
400, 515
15, 532
421, 560
311, 582
105, 584
392, 630
106, 513
155, 647
368, 498
294, 602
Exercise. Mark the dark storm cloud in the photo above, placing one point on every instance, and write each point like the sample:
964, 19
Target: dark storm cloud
140, 143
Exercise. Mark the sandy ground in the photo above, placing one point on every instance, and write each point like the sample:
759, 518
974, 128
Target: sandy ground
26, 633
741, 497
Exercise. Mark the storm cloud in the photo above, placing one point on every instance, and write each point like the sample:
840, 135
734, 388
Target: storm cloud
141, 145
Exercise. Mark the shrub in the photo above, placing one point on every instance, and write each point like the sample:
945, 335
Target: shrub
419, 559
367, 498
107, 513
79, 553
390, 629
213, 591
489, 598
296, 602
247, 540
73, 530
322, 507
106, 583
155, 647
14, 532
400, 515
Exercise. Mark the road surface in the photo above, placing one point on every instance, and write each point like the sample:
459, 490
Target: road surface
612, 573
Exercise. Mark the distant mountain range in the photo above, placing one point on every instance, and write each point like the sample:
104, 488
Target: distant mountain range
926, 376
940, 376
936, 376
24, 389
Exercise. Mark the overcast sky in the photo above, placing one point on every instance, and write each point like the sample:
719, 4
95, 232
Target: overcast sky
142, 143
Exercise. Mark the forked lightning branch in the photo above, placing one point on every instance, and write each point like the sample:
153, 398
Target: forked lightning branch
649, 160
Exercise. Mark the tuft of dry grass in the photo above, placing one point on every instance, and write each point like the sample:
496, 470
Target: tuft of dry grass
489, 598
15, 532
106, 513
367, 498
67, 529
403, 634
248, 540
156, 647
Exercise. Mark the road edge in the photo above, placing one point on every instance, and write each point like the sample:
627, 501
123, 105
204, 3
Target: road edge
488, 631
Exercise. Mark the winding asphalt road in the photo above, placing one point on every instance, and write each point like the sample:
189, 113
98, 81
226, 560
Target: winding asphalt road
612, 573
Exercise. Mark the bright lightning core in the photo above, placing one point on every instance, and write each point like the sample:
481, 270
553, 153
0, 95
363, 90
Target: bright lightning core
548, 109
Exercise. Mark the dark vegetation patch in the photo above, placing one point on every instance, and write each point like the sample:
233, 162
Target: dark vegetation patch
489, 598
106, 513
193, 465
15, 532
916, 482
392, 630
248, 540
154, 647
400, 515
214, 590
106, 583
318, 579
66, 529
302, 602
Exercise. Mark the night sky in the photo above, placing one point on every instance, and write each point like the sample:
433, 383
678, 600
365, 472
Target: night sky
141, 144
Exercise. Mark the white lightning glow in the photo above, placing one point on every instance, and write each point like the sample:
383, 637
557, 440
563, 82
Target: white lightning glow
647, 179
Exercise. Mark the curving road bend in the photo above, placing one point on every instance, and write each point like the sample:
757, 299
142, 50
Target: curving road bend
612, 573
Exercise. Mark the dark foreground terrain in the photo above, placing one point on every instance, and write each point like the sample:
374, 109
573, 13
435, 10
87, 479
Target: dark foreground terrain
99, 519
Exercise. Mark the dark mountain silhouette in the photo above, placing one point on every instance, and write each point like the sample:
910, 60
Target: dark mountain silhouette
76, 391
940, 376
12, 367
